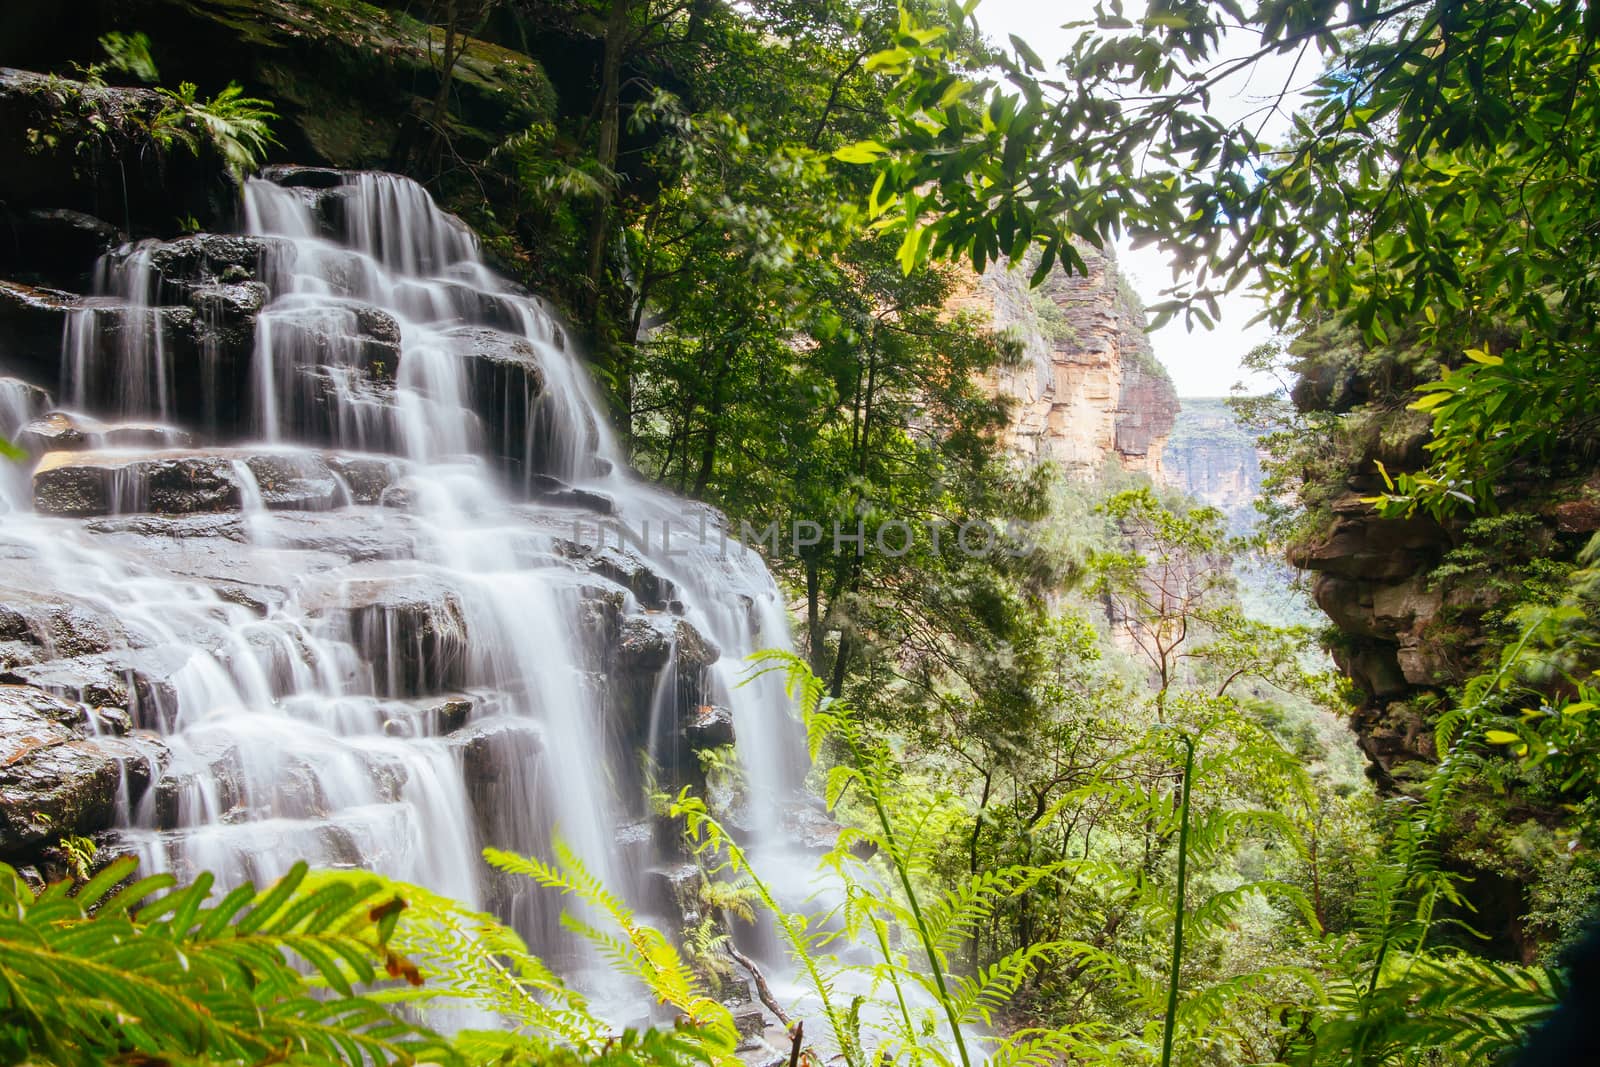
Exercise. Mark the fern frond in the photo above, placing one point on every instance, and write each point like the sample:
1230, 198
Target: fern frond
637, 949
958, 911
977, 997
1085, 1044
183, 975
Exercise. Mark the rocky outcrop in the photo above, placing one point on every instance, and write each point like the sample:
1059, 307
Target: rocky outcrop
181, 482
83, 170
347, 77
1409, 597
1415, 602
1087, 388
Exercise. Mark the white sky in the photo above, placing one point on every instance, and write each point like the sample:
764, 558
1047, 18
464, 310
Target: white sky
1205, 362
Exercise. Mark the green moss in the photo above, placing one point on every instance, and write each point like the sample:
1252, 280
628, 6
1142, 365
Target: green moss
1052, 320
348, 74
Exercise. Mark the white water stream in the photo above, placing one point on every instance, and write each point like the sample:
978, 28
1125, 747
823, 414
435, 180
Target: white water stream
441, 685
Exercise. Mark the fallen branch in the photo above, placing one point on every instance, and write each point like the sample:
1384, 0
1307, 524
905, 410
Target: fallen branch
762, 989
794, 1047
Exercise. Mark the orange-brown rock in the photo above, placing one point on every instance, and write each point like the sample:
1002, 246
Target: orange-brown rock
1087, 388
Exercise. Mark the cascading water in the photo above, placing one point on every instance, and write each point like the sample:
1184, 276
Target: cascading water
422, 607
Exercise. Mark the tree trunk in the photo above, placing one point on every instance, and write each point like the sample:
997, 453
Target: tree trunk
972, 850
606, 150
816, 636
708, 450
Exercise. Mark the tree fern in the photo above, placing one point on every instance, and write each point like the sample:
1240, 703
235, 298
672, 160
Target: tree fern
153, 970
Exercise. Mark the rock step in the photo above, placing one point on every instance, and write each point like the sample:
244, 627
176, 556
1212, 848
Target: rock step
20, 401
179, 482
65, 431
240, 848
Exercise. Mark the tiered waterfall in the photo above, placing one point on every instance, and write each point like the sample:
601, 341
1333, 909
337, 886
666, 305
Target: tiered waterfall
328, 537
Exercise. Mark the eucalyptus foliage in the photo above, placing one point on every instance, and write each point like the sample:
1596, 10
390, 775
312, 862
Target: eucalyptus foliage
1438, 177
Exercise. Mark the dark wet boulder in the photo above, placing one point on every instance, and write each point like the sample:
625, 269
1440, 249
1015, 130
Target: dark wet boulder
59, 625
174, 482
137, 680
505, 382
205, 785
345, 407
64, 431
296, 481
499, 759
340, 364
490, 749
54, 780
291, 176
600, 613
431, 716
404, 618
364, 478
378, 328
648, 642
402, 495
658, 657
211, 258
352, 335
105, 483
557, 493
114, 721
20, 400
32, 322
708, 726
234, 302
623, 566
114, 345
56, 431
674, 891
226, 323
54, 246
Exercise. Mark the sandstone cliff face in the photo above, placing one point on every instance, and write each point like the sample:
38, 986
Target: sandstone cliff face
1087, 387
1413, 599
1214, 460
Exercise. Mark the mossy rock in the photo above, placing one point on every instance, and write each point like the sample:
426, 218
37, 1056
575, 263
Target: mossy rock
352, 81
87, 150
353, 76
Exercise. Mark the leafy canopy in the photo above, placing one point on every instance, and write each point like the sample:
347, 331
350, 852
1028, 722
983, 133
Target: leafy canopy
1440, 177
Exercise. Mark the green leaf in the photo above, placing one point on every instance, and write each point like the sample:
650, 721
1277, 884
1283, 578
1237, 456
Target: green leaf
1029, 57
860, 152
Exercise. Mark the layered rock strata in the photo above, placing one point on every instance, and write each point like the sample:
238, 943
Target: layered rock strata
1086, 388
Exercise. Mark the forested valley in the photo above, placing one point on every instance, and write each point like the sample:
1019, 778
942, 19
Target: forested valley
641, 533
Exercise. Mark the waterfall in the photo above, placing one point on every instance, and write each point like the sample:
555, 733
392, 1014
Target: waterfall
399, 597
